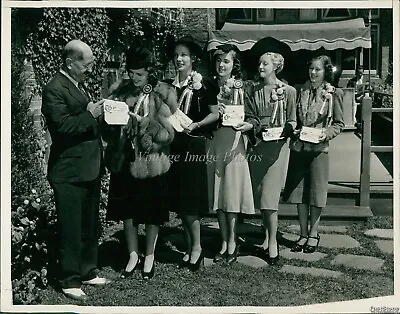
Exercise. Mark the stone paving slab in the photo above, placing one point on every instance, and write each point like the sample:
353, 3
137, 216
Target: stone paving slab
380, 233
302, 256
324, 229
329, 240
358, 261
313, 271
338, 241
386, 246
252, 261
208, 261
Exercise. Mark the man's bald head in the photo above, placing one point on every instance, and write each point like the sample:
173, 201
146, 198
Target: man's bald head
76, 50
78, 60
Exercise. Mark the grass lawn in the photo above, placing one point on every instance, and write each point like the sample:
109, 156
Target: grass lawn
235, 285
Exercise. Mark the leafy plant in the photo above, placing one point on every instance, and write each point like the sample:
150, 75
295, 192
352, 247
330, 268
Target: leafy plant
56, 28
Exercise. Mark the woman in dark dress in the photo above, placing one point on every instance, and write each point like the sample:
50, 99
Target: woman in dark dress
135, 155
188, 175
319, 106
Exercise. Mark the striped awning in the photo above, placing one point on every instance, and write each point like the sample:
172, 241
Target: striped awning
348, 35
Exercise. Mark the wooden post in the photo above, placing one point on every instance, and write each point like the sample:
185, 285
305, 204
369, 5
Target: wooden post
365, 171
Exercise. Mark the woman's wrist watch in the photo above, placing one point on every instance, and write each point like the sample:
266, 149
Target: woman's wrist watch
198, 125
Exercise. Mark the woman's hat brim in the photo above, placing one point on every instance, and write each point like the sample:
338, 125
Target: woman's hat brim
270, 44
225, 48
191, 44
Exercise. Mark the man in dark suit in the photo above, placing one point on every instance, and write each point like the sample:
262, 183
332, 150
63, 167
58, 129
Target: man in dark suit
74, 168
357, 82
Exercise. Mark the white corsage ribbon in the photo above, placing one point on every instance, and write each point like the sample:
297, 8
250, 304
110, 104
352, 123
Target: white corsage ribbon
187, 97
144, 99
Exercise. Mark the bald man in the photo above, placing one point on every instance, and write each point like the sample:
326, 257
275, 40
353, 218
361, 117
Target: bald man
74, 168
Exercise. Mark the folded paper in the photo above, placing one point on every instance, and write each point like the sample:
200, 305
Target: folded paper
179, 120
116, 112
310, 135
272, 134
233, 115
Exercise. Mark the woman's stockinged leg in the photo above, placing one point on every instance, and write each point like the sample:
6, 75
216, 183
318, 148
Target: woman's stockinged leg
131, 237
303, 210
232, 221
271, 217
223, 227
264, 218
151, 241
193, 225
188, 240
315, 216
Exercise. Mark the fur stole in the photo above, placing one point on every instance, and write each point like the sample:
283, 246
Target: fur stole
150, 136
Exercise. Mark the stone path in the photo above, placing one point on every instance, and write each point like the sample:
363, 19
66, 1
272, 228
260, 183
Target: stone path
332, 237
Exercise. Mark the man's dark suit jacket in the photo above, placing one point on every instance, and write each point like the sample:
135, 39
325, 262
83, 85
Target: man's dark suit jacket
75, 153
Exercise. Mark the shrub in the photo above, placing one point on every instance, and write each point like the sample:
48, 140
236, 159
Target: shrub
56, 28
32, 215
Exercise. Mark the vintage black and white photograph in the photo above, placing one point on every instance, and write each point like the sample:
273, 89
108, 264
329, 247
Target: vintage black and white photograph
201, 157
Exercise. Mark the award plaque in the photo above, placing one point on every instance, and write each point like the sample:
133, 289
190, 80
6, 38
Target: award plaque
233, 115
116, 112
272, 134
310, 135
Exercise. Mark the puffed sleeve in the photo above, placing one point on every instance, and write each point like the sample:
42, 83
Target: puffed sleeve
250, 111
210, 92
337, 123
291, 108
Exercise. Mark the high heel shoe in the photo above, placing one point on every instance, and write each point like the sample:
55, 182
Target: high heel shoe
233, 257
273, 260
199, 262
125, 274
150, 274
311, 248
220, 256
262, 253
183, 264
297, 247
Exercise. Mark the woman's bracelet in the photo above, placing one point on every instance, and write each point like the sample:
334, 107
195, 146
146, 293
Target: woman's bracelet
198, 125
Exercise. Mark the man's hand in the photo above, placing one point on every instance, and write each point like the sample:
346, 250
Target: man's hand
96, 109
243, 127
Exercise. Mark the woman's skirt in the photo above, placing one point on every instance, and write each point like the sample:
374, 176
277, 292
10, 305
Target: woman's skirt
268, 163
229, 183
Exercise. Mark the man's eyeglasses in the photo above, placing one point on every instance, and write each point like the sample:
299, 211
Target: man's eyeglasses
84, 67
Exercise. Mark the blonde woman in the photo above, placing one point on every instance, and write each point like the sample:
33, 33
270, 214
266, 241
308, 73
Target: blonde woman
271, 107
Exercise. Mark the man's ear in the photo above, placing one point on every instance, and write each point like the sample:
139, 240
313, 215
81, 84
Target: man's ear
68, 63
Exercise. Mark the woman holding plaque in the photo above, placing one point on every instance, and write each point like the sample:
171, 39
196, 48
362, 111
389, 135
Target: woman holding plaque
188, 176
270, 120
320, 119
135, 156
229, 180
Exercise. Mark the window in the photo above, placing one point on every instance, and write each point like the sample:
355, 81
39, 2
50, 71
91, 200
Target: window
332, 14
265, 15
242, 15
365, 12
374, 50
286, 15
308, 14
